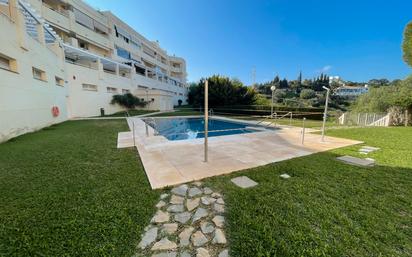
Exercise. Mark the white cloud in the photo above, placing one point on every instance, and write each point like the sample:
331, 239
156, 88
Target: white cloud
325, 68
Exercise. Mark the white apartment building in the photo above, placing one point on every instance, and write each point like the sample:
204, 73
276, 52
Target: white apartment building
64, 55
347, 91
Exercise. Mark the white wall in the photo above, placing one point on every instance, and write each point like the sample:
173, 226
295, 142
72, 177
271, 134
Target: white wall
83, 103
25, 103
88, 103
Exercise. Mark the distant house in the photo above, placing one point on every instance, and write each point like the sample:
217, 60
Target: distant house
347, 91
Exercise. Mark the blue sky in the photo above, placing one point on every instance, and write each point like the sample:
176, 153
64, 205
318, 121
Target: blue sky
357, 40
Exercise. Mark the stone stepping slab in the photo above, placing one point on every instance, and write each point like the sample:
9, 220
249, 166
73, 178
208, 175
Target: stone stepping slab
357, 161
367, 149
189, 221
244, 182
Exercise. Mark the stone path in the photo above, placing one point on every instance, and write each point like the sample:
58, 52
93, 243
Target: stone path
189, 222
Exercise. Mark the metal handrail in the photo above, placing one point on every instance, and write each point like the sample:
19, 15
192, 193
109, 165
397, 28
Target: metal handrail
281, 117
267, 117
210, 112
276, 118
152, 121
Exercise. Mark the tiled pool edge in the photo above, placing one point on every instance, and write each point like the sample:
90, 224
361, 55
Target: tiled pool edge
170, 163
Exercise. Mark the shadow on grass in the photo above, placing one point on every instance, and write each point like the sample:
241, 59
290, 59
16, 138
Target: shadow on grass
68, 191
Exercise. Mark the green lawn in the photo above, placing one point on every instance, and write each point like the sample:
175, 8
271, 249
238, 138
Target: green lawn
131, 113
316, 124
67, 191
184, 111
327, 208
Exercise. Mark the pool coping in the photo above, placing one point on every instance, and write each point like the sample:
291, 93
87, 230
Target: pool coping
168, 162
214, 117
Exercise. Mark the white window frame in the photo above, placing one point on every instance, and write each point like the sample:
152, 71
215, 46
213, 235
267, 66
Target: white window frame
111, 90
39, 74
89, 87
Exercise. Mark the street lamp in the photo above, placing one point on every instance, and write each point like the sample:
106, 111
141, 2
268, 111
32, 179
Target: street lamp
273, 88
325, 112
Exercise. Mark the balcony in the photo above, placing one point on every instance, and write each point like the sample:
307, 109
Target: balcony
59, 19
89, 35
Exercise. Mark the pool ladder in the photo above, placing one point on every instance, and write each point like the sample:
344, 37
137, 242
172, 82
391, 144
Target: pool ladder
152, 123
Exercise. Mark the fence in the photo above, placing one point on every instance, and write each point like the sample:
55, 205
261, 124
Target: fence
364, 119
402, 118
264, 110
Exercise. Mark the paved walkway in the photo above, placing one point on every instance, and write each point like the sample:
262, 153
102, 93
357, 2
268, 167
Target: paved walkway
189, 222
175, 162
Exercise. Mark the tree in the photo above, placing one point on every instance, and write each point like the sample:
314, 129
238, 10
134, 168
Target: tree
378, 82
283, 84
380, 99
300, 79
222, 92
407, 44
128, 101
320, 82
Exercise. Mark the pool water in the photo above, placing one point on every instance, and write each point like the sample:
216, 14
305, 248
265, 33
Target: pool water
191, 128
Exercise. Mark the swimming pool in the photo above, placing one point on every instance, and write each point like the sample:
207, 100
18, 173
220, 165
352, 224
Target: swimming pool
191, 128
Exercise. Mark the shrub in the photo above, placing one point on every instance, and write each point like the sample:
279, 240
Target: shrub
307, 94
128, 101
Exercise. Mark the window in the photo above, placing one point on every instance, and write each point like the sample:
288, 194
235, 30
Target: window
89, 87
83, 19
7, 63
121, 33
39, 74
59, 81
122, 53
111, 90
125, 91
83, 45
4, 63
135, 42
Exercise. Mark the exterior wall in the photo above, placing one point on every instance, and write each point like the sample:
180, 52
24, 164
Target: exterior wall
84, 103
25, 102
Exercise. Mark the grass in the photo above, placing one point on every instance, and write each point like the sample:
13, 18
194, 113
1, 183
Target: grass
67, 191
286, 121
327, 208
308, 123
188, 111
131, 113
179, 111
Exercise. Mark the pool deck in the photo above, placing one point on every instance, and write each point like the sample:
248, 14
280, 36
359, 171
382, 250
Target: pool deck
174, 162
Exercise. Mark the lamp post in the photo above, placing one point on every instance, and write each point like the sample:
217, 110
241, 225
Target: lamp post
273, 88
325, 112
